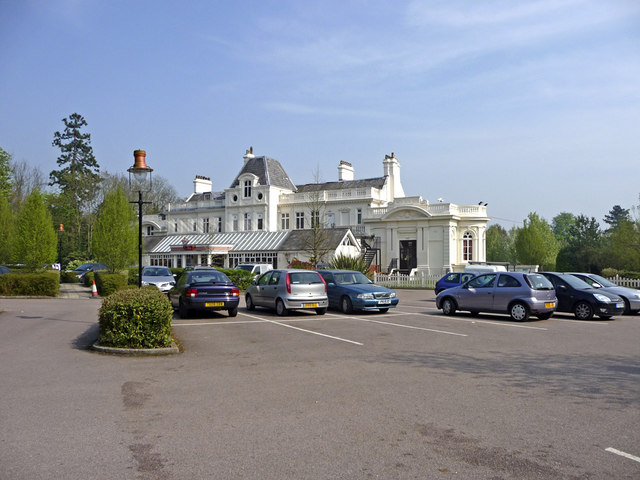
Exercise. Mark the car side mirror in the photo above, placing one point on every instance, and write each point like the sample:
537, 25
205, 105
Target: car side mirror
175, 277
561, 287
254, 282
331, 284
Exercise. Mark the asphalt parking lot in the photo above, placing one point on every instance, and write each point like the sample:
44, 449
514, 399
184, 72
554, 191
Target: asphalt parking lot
406, 394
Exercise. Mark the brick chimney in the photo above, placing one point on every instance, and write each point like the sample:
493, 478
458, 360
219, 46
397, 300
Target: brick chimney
345, 171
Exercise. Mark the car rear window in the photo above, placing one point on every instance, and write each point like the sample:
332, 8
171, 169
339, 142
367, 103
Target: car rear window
538, 282
208, 277
305, 277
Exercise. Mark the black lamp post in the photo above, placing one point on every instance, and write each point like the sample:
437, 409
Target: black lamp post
140, 181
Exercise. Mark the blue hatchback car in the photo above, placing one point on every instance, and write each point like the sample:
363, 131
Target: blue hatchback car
349, 291
452, 279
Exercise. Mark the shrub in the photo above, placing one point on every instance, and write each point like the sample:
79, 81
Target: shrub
30, 284
132, 276
295, 263
136, 318
609, 272
68, 277
88, 278
345, 262
241, 278
108, 283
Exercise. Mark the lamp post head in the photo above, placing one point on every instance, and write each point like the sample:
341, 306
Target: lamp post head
140, 172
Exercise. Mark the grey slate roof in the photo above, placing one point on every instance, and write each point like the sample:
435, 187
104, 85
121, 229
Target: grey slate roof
377, 182
269, 172
198, 197
299, 239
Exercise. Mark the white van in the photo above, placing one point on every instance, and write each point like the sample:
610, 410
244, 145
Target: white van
255, 268
477, 269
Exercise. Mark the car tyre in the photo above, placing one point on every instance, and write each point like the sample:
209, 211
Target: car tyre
233, 312
627, 307
545, 316
583, 311
321, 311
281, 310
345, 305
448, 306
383, 310
249, 303
519, 312
183, 310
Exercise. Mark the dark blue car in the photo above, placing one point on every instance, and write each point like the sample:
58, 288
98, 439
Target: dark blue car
452, 280
350, 291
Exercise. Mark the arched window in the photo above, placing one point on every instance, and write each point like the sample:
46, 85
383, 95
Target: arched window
467, 247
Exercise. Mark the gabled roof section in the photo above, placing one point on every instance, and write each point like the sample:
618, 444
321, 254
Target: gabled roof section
199, 197
377, 182
269, 172
299, 240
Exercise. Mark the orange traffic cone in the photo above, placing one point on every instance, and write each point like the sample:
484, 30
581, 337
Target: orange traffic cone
94, 290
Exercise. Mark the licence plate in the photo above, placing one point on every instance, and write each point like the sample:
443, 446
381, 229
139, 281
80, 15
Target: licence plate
309, 305
619, 305
549, 304
214, 304
384, 302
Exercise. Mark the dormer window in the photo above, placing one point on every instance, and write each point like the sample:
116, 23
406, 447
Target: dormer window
247, 189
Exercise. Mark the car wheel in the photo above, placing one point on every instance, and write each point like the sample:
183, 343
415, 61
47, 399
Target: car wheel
383, 310
583, 311
249, 302
627, 307
345, 305
281, 310
545, 316
519, 312
233, 312
448, 306
183, 310
321, 311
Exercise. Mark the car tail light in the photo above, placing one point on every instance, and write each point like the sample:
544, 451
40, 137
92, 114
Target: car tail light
192, 292
288, 284
235, 292
323, 281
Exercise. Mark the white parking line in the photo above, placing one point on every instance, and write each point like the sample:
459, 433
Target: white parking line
622, 454
307, 331
476, 320
409, 326
588, 322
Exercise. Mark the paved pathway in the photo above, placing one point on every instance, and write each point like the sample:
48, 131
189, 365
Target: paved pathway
74, 290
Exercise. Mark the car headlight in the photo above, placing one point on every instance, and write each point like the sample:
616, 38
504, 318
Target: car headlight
366, 296
636, 295
172, 284
393, 295
602, 298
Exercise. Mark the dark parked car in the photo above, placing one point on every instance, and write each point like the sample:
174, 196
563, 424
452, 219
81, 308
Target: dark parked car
285, 290
453, 279
518, 294
4, 270
349, 290
204, 289
578, 297
630, 296
85, 268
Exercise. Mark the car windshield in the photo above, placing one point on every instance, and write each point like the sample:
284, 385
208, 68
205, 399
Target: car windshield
248, 268
602, 281
351, 278
156, 272
538, 282
575, 282
202, 276
305, 277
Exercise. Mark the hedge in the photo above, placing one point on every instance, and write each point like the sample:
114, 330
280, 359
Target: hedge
108, 283
68, 276
30, 284
136, 318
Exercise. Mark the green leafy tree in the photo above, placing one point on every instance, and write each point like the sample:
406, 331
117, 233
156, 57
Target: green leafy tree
583, 252
624, 246
561, 226
36, 243
535, 243
6, 176
77, 179
500, 244
616, 216
115, 236
7, 230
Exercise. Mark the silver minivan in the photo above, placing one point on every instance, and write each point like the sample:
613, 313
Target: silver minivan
285, 290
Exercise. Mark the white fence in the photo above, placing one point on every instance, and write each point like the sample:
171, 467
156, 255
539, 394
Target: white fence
424, 280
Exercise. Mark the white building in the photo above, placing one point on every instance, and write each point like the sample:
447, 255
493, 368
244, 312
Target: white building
264, 217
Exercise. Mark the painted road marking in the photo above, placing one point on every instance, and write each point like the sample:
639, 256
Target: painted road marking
477, 320
622, 454
410, 326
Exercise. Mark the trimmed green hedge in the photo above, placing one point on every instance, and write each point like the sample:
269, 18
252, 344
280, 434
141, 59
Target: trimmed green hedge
108, 283
68, 276
136, 318
30, 284
240, 277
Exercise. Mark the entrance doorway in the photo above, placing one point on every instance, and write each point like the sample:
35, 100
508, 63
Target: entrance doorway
408, 257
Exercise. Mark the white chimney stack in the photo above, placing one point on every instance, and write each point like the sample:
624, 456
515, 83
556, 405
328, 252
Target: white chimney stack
345, 171
202, 184
392, 170
248, 154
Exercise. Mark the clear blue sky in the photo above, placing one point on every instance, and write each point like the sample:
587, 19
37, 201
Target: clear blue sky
526, 105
